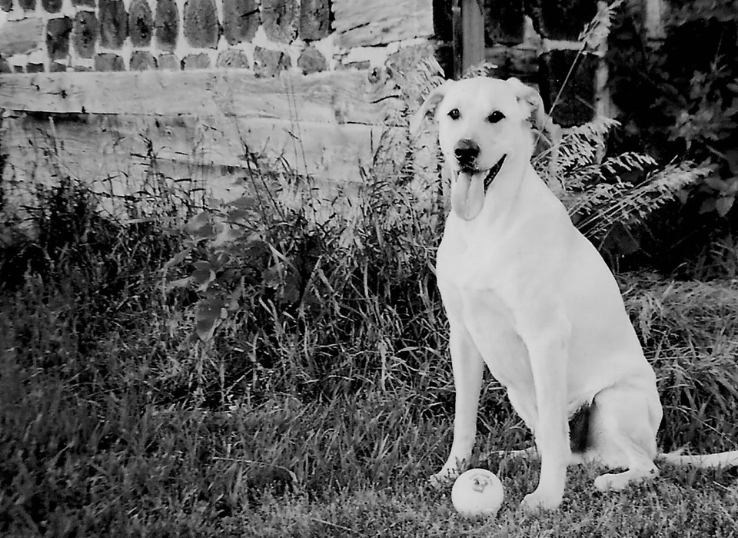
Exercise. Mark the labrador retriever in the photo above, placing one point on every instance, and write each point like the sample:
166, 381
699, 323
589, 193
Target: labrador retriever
526, 294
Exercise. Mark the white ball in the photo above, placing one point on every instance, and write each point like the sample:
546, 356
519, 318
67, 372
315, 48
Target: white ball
477, 492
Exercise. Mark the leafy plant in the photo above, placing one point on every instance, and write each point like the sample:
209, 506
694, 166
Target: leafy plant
295, 286
687, 87
601, 194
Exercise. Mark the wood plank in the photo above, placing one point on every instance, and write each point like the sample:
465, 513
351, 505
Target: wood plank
472, 31
332, 97
458, 39
98, 147
362, 23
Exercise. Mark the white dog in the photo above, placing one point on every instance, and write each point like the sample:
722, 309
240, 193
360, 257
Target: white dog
530, 297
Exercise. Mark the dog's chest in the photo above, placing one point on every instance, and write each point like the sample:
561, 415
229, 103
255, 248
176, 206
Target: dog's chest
478, 294
479, 263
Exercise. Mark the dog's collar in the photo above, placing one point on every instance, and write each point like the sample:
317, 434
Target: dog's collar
492, 174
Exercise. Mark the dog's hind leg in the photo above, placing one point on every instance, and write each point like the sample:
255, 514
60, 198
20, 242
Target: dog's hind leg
623, 434
468, 368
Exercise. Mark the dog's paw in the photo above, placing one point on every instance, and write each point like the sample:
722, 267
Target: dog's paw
444, 478
537, 501
620, 481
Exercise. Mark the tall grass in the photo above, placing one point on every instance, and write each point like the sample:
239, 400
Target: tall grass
327, 377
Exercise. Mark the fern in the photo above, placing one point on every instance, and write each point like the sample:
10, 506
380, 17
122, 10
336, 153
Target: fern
636, 202
593, 189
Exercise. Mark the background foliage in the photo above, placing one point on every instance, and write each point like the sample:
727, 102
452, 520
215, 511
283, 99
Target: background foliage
678, 99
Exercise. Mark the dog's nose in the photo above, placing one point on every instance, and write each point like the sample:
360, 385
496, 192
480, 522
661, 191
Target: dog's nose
466, 152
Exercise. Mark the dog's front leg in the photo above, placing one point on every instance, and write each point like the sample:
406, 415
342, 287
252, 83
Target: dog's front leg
468, 368
548, 353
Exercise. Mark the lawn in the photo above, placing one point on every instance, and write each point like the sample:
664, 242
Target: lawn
319, 405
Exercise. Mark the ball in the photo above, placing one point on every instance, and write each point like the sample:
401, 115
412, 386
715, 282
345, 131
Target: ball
477, 492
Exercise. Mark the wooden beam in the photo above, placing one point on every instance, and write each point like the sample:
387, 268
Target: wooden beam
365, 23
458, 39
95, 147
472, 29
333, 97
326, 125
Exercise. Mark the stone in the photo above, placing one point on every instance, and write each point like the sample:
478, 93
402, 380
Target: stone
562, 19
107, 61
113, 23
140, 23
85, 31
166, 25
196, 61
56, 67
232, 59
52, 6
169, 62
241, 20
57, 37
516, 62
200, 21
576, 104
35, 68
89, 3
312, 61
268, 63
27, 5
22, 36
280, 20
504, 22
315, 19
142, 60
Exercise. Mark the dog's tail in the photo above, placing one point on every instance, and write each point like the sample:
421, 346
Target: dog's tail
704, 461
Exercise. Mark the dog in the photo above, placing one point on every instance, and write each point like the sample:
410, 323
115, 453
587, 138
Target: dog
529, 296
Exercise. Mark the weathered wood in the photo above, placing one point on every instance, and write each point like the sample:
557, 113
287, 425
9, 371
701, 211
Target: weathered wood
362, 23
457, 37
472, 31
335, 97
96, 147
97, 125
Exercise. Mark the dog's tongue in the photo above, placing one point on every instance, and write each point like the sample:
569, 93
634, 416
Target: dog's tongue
467, 194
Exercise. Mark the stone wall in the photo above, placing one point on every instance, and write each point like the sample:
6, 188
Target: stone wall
535, 40
538, 41
102, 76
263, 36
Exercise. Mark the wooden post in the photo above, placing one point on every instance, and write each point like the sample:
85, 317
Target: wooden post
468, 28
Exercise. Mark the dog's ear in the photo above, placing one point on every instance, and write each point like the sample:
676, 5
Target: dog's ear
429, 105
531, 101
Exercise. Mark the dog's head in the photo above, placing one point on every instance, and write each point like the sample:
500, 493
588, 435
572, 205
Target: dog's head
484, 126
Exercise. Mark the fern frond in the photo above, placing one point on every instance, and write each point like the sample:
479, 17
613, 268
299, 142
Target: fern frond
626, 162
629, 205
483, 69
579, 148
599, 28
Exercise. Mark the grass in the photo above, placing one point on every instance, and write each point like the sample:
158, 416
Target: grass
320, 404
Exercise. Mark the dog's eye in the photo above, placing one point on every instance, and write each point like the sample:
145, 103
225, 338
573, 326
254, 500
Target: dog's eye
454, 114
495, 117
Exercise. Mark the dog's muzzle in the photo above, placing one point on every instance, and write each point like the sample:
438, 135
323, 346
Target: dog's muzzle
469, 189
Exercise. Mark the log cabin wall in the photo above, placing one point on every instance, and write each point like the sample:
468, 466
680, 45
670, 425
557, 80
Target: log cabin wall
315, 84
